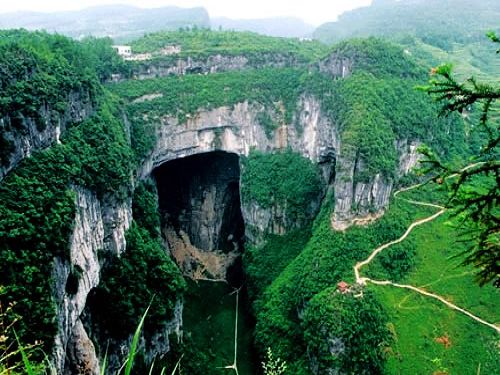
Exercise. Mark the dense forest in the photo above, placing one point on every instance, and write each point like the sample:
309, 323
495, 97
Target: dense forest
302, 303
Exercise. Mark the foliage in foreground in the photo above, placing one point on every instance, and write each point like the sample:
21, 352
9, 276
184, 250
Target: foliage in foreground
37, 211
120, 298
475, 189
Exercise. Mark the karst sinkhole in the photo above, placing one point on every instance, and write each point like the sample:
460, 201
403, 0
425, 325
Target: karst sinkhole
202, 224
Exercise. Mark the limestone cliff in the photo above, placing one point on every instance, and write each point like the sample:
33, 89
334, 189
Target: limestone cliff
98, 226
22, 135
237, 130
211, 64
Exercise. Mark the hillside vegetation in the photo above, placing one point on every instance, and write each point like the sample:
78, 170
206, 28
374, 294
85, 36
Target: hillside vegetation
200, 42
432, 30
292, 279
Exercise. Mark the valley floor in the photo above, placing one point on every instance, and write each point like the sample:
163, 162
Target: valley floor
431, 337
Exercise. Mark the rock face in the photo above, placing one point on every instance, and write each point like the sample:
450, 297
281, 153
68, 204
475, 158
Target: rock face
237, 130
200, 196
211, 64
210, 215
409, 158
336, 66
98, 226
152, 346
80, 351
21, 136
361, 202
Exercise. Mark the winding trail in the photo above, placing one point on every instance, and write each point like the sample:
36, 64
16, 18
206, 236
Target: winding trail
441, 210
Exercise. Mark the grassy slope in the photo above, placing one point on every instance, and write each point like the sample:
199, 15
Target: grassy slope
418, 320
464, 61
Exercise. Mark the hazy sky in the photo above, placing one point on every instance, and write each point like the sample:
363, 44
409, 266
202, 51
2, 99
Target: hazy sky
312, 11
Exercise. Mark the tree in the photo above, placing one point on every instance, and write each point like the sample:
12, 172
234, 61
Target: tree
475, 188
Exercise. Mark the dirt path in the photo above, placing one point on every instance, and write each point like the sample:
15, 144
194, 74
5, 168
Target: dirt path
363, 280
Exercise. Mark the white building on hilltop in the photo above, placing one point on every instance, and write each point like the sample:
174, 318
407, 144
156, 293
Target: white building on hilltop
123, 50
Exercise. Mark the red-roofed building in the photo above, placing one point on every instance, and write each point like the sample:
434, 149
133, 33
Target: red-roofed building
343, 287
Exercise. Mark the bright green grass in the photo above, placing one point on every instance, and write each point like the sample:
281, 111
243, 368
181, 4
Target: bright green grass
419, 320
464, 62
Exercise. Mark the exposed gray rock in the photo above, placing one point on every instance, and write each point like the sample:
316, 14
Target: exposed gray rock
409, 158
87, 239
157, 345
336, 66
364, 201
27, 135
237, 130
97, 227
212, 64
81, 358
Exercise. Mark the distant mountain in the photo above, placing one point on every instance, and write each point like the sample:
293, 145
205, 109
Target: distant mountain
278, 26
434, 31
436, 22
120, 22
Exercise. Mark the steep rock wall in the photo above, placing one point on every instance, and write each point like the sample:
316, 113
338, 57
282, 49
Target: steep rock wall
237, 130
98, 226
25, 135
211, 64
312, 134
362, 201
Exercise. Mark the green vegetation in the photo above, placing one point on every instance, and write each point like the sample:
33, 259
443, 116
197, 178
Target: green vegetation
475, 192
327, 259
282, 179
185, 95
121, 297
37, 210
378, 57
209, 318
40, 69
205, 42
264, 263
38, 72
100, 54
345, 332
381, 91
436, 22
292, 277
182, 97
417, 322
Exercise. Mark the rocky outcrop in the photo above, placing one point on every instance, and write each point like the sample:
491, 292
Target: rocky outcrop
20, 136
80, 351
336, 66
151, 346
98, 226
237, 130
363, 201
409, 157
212, 64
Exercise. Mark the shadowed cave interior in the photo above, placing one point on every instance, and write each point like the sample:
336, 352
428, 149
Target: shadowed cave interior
199, 200
202, 223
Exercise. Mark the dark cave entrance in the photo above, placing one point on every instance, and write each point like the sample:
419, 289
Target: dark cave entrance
200, 196
202, 224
